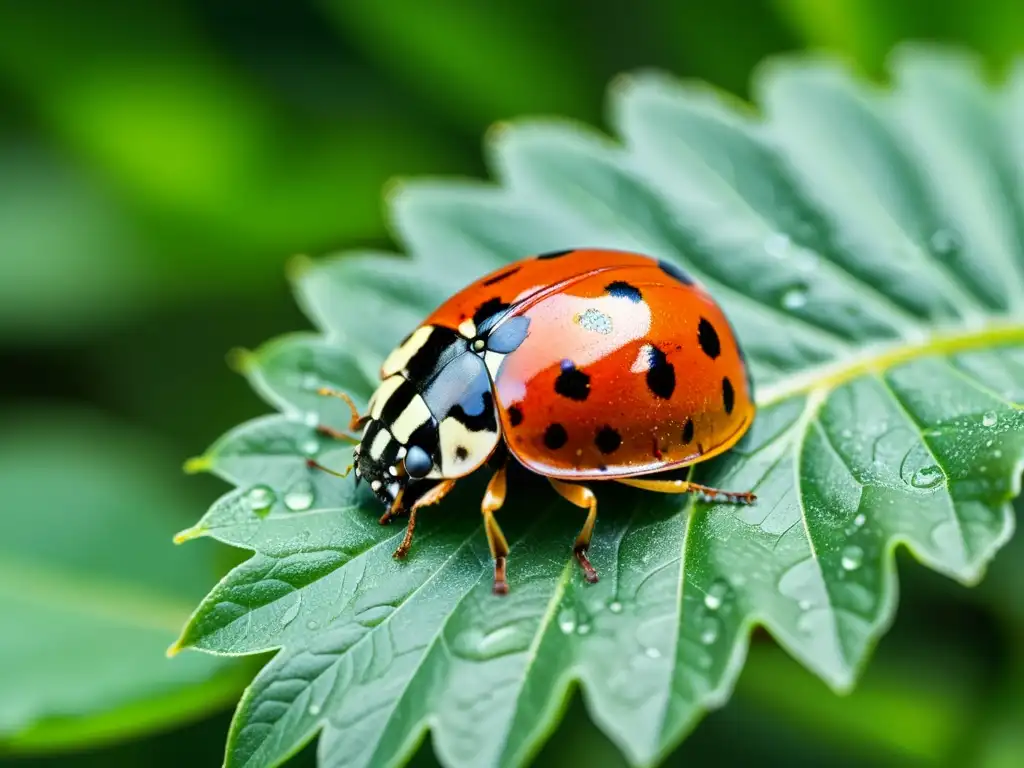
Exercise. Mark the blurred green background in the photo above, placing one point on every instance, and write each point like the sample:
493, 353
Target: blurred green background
161, 160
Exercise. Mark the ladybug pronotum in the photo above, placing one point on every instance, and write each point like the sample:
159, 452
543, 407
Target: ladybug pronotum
582, 365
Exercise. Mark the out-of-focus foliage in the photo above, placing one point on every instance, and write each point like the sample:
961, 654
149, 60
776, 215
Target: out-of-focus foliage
160, 161
86, 618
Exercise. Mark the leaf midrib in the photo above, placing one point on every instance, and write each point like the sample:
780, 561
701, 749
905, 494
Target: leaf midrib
880, 358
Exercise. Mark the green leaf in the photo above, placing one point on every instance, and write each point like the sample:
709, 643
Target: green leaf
869, 249
90, 590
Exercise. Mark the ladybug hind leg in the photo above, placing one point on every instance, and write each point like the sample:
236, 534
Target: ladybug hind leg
432, 496
685, 486
584, 498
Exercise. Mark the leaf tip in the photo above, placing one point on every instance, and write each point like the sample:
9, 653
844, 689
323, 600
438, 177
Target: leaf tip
189, 533
297, 266
241, 360
197, 464
173, 649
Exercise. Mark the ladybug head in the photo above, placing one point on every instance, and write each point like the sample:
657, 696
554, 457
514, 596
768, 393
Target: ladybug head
393, 469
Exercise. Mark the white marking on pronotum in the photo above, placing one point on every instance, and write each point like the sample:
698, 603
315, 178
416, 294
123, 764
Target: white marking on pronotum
402, 354
380, 442
384, 391
454, 435
467, 328
415, 413
375, 485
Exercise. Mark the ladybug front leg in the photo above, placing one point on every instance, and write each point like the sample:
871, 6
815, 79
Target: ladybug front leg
685, 486
494, 497
432, 496
584, 498
355, 423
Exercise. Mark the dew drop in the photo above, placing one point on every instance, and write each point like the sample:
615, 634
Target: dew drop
716, 594
289, 615
583, 629
997, 454
310, 381
312, 624
709, 630
944, 242
567, 623
989, 419
795, 297
804, 605
309, 447
314, 709
927, 477
260, 498
652, 653
299, 497
859, 520
311, 418
777, 244
852, 558
615, 607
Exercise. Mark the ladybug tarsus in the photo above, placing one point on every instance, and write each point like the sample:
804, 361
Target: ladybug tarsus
589, 572
500, 583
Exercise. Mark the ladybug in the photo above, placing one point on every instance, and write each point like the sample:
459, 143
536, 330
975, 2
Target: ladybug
583, 365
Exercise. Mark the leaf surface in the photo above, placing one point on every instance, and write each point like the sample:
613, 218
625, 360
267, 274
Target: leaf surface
868, 247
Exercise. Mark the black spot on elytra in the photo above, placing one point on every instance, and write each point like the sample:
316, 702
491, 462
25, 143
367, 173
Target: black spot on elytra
728, 395
688, 432
675, 272
515, 416
489, 310
501, 276
572, 382
554, 254
623, 290
555, 436
461, 453
607, 440
707, 337
661, 374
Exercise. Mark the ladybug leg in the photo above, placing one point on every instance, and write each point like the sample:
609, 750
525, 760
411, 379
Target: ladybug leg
584, 498
432, 496
355, 423
684, 486
494, 497
314, 465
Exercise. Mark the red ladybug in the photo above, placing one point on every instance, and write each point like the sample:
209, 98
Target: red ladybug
582, 365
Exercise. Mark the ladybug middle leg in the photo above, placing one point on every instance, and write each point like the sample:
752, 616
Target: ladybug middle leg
584, 498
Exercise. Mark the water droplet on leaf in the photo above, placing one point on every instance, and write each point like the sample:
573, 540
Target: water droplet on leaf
652, 653
716, 594
709, 630
989, 419
583, 629
795, 297
293, 610
852, 558
260, 498
615, 607
299, 497
927, 477
314, 709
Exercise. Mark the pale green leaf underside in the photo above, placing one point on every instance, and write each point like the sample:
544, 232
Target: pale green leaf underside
869, 249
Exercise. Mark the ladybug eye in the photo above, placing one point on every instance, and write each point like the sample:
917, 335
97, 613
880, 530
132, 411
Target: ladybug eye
418, 462
478, 344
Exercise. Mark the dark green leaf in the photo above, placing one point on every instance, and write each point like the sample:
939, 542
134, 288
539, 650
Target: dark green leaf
869, 249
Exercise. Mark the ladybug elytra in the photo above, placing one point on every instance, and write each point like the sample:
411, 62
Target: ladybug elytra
582, 365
